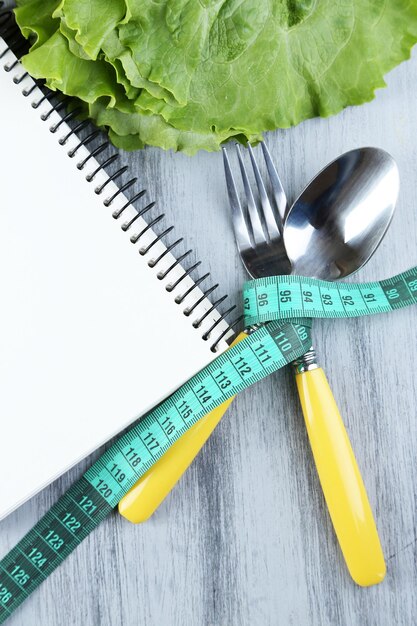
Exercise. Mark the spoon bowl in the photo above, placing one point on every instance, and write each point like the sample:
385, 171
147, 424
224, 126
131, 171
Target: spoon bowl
341, 217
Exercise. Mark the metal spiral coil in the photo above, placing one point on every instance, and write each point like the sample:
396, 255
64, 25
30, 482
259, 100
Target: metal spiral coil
102, 166
60, 104
18, 79
65, 119
9, 31
78, 128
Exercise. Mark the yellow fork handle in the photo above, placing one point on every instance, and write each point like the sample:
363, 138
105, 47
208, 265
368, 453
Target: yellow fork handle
142, 500
341, 480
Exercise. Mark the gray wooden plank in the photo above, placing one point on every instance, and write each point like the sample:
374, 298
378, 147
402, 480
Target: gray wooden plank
245, 538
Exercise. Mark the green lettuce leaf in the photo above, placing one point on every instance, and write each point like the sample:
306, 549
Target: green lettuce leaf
36, 21
187, 75
152, 130
85, 79
91, 21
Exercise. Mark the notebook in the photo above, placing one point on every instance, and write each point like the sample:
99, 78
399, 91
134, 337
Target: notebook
93, 323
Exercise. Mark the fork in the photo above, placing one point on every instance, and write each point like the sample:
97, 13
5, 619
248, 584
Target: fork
258, 228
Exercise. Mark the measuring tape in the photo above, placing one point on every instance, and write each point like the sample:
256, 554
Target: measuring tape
95, 495
271, 347
278, 297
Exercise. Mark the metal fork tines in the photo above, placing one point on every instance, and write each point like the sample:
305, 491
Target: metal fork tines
258, 223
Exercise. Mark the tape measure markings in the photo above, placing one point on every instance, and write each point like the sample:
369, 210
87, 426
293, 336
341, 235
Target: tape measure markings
195, 399
292, 296
93, 497
47, 545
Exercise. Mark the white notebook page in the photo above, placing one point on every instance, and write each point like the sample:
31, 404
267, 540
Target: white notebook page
89, 337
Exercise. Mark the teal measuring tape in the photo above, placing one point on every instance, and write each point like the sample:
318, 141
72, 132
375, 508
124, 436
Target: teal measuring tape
285, 297
95, 495
271, 347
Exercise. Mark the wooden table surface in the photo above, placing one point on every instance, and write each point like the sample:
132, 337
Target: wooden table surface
245, 538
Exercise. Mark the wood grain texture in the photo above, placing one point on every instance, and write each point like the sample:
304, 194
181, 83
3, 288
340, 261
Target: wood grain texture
245, 538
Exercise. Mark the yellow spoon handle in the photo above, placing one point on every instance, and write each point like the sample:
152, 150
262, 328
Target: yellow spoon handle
341, 480
147, 494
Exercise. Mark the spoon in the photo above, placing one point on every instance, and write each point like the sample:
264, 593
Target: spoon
338, 221
361, 174
331, 231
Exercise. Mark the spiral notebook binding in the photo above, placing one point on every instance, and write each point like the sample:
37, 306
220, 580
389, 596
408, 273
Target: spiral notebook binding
9, 30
